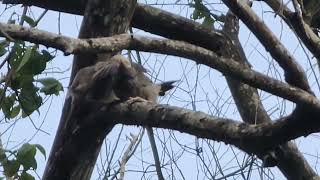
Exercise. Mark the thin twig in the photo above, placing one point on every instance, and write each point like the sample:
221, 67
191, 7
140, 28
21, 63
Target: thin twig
128, 154
151, 137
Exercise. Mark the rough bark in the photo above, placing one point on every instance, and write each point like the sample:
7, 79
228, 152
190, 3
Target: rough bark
200, 55
287, 156
250, 138
76, 148
303, 30
175, 27
293, 72
147, 18
158, 28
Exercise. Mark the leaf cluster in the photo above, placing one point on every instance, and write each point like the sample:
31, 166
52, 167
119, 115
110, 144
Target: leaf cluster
17, 163
25, 63
201, 11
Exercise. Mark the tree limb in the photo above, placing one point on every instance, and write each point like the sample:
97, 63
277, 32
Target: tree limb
294, 74
172, 26
147, 18
303, 30
251, 138
171, 47
74, 156
252, 111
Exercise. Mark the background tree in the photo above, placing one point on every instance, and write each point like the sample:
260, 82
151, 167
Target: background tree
213, 43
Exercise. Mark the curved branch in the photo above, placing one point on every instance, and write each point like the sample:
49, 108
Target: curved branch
250, 138
303, 30
252, 111
171, 47
147, 18
294, 74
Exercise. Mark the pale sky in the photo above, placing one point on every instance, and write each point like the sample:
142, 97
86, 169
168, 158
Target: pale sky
210, 93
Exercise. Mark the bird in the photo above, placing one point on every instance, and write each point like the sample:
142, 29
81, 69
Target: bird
117, 79
138, 84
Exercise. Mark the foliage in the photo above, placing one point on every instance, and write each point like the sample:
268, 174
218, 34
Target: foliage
18, 163
202, 12
25, 63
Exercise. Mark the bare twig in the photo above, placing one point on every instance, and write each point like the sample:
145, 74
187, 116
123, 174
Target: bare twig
151, 136
134, 142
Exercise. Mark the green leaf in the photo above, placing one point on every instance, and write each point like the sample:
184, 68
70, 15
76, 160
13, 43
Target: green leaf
29, 61
50, 86
33, 62
16, 55
41, 149
201, 11
15, 111
11, 167
3, 156
26, 156
25, 59
7, 105
26, 176
38, 64
208, 21
29, 100
3, 45
21, 81
29, 20
47, 56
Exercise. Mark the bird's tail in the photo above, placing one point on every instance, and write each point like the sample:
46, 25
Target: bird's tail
166, 86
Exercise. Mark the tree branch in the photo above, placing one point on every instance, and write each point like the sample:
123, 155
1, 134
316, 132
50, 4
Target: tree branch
303, 30
171, 47
147, 18
251, 138
172, 26
294, 74
252, 111
73, 156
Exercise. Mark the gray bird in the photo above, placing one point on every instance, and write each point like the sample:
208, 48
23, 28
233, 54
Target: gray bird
117, 79
133, 82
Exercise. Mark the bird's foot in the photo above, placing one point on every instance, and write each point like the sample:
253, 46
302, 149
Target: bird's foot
136, 99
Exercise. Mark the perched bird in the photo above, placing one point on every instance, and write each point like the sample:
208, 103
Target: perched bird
134, 83
117, 79
138, 84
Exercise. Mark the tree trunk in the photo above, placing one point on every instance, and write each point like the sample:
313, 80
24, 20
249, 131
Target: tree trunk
76, 145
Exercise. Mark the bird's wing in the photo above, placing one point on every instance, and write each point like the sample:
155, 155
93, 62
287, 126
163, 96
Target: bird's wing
82, 81
103, 79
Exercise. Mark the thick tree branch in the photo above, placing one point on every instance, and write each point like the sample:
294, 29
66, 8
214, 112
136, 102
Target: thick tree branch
147, 18
294, 73
171, 47
252, 111
173, 26
303, 30
73, 156
246, 97
251, 138
175, 30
